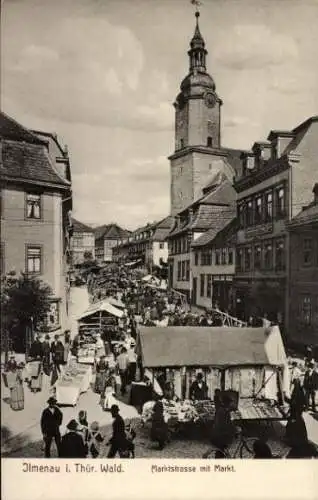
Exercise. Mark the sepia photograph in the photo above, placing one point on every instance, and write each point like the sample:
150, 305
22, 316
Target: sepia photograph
159, 232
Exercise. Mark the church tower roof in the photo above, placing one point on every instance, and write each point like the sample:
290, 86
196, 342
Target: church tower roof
197, 76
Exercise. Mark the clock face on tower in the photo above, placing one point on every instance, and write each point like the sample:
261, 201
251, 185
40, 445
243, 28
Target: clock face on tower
209, 99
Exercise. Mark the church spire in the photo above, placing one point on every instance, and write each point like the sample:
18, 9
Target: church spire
197, 53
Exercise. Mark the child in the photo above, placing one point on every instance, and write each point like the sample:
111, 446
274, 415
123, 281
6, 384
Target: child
129, 451
95, 439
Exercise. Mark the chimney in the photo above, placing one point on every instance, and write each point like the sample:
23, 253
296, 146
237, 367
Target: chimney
315, 191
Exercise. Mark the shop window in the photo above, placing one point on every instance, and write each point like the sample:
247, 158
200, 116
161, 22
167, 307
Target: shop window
257, 257
241, 215
209, 286
217, 257
230, 257
306, 309
223, 256
247, 259
280, 255
239, 259
268, 256
33, 206
249, 213
280, 203
307, 251
202, 284
268, 207
259, 210
33, 259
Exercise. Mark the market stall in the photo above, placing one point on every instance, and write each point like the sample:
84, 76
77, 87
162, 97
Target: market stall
75, 380
101, 317
250, 361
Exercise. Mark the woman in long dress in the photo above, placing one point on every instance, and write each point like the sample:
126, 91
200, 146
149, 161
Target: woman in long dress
159, 428
110, 391
17, 391
101, 372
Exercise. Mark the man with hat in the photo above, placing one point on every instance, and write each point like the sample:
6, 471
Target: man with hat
72, 444
199, 389
51, 421
118, 440
311, 386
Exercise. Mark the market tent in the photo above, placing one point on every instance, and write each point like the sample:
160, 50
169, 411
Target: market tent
252, 360
103, 306
210, 346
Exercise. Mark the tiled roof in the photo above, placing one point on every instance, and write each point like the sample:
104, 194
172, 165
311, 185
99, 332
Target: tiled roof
163, 229
29, 162
223, 221
307, 216
110, 231
79, 227
223, 194
207, 346
12, 130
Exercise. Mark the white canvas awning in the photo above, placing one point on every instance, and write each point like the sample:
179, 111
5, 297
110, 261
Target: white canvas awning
103, 306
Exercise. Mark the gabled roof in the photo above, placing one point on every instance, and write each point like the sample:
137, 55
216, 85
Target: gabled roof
210, 346
79, 227
224, 220
25, 156
308, 215
163, 228
110, 231
28, 162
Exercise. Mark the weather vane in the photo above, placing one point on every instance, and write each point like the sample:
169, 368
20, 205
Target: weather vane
197, 4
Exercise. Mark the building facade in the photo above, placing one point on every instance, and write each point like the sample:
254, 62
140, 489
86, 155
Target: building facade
217, 202
276, 181
82, 242
213, 264
303, 290
198, 155
146, 246
108, 237
36, 200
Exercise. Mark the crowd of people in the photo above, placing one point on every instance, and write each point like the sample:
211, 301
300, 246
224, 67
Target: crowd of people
82, 440
117, 366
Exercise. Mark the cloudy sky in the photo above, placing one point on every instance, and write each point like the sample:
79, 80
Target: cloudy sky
103, 75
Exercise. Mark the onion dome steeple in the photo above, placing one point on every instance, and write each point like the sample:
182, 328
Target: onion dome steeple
197, 53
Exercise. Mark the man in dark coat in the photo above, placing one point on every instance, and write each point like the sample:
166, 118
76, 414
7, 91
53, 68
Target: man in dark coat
199, 389
118, 441
311, 386
36, 350
46, 349
72, 444
51, 420
57, 350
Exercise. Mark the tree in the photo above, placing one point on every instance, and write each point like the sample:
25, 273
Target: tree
25, 302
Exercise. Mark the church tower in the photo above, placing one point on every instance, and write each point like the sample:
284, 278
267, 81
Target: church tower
197, 157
